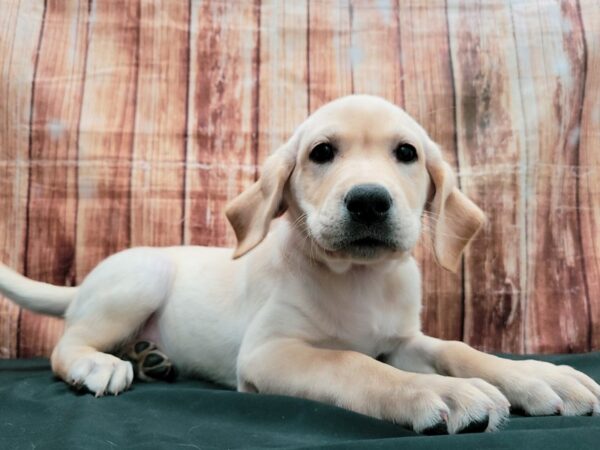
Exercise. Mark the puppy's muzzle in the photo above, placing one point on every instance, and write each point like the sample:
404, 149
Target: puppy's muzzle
368, 204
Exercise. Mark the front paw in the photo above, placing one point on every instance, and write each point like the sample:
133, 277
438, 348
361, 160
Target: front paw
539, 388
435, 404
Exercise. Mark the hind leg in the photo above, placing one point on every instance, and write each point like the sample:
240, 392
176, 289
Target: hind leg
112, 304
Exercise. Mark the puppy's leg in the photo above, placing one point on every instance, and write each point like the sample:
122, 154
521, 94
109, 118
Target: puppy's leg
112, 303
360, 383
536, 387
77, 358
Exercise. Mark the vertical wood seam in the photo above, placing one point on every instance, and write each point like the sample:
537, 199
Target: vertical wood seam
402, 95
30, 168
256, 99
191, 135
186, 131
351, 25
73, 268
133, 123
524, 274
308, 56
463, 285
577, 182
77, 141
30, 142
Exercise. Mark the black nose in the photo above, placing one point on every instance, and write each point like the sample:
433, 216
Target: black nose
368, 203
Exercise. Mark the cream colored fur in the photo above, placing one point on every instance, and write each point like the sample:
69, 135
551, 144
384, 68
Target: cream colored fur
296, 313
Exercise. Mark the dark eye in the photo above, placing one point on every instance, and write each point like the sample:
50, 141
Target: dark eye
322, 153
405, 153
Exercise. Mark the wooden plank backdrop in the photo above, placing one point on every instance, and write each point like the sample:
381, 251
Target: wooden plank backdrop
133, 122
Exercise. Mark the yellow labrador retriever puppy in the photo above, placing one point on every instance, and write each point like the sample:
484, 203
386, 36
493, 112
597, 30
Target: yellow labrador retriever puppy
325, 306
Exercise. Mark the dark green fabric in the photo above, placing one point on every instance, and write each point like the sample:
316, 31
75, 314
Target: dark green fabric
38, 411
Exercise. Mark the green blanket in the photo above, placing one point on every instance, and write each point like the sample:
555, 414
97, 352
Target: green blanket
38, 411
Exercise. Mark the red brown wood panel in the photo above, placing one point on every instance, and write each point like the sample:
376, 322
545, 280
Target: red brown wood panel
550, 56
157, 174
283, 75
222, 115
589, 165
106, 133
490, 148
329, 47
144, 138
20, 25
429, 98
52, 204
374, 38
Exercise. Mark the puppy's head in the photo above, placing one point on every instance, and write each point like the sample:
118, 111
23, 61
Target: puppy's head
356, 177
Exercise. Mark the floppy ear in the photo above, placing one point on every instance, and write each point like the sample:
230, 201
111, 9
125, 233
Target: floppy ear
458, 218
251, 212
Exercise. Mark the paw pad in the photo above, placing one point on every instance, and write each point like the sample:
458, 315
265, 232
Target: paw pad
149, 363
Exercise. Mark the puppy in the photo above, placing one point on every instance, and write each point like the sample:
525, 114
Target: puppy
325, 306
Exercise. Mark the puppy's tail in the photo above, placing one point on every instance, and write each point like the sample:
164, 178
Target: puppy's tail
36, 296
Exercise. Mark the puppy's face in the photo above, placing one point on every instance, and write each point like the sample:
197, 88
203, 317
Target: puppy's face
360, 182
355, 178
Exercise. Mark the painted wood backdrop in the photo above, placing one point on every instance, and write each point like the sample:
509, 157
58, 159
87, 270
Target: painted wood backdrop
133, 122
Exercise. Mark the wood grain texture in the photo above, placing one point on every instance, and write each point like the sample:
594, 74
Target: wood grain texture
375, 37
20, 28
428, 94
134, 122
550, 55
106, 132
222, 115
160, 136
52, 199
329, 47
490, 143
283, 73
589, 165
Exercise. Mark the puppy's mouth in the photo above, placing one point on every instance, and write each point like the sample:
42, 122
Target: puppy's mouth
365, 247
368, 242
346, 240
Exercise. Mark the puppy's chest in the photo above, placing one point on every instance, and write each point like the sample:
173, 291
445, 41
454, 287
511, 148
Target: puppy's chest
372, 323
